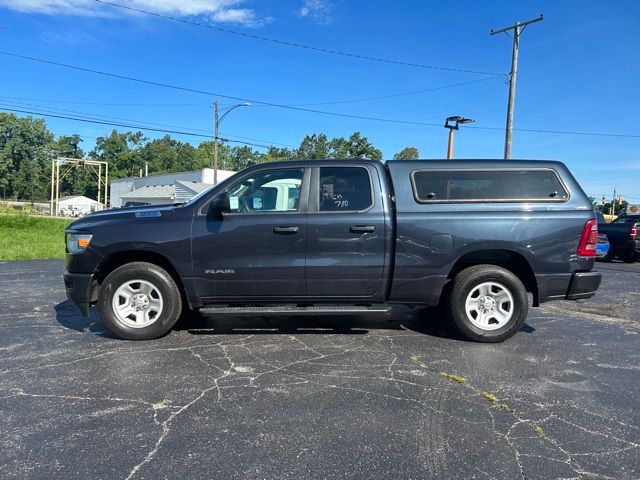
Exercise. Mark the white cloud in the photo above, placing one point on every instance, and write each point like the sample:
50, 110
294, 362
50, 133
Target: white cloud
221, 11
240, 16
320, 11
74, 7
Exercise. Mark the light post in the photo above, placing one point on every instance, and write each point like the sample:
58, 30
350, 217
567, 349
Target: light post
216, 123
453, 123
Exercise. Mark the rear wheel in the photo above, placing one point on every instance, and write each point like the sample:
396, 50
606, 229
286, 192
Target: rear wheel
139, 301
487, 303
630, 258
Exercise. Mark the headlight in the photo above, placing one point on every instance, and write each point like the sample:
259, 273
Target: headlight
77, 242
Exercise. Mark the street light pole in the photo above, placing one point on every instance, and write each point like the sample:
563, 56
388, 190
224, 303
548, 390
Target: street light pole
450, 145
453, 123
517, 30
216, 124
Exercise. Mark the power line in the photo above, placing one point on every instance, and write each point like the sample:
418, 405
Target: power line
560, 132
334, 102
415, 92
213, 94
95, 116
301, 109
294, 44
73, 102
125, 125
138, 122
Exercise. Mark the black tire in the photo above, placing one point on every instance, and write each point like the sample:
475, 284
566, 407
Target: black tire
611, 254
630, 258
166, 291
469, 280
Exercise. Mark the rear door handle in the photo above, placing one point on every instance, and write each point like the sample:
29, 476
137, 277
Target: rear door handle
286, 229
362, 228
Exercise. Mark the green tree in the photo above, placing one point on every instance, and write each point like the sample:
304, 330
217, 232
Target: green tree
407, 153
356, 146
166, 155
204, 155
313, 147
277, 154
318, 146
25, 155
69, 146
122, 151
241, 157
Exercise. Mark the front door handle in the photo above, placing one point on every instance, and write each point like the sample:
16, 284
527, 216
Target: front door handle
362, 228
286, 229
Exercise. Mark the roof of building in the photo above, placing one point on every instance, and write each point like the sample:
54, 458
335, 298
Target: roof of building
180, 190
85, 199
197, 187
187, 172
152, 191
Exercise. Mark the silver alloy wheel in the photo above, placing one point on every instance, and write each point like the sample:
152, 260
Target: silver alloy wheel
489, 306
137, 303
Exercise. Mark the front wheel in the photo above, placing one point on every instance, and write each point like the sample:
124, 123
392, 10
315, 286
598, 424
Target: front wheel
139, 301
487, 303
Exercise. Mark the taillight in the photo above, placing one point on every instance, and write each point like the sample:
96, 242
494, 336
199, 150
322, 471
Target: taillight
588, 239
633, 232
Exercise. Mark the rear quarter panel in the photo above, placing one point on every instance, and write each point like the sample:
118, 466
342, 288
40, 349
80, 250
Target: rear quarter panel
432, 237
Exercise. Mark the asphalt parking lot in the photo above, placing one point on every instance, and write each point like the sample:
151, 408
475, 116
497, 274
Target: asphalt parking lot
355, 397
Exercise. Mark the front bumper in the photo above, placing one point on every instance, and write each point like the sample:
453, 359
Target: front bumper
79, 287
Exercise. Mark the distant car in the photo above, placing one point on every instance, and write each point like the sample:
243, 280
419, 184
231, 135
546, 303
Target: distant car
602, 247
622, 234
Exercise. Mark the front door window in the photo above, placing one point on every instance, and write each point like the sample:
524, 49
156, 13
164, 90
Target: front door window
267, 191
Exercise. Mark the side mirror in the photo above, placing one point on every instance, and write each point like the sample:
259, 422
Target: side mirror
220, 205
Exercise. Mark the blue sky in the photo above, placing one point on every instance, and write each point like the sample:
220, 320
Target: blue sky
578, 71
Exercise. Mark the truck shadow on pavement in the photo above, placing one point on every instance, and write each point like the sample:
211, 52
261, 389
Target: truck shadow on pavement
427, 321
68, 316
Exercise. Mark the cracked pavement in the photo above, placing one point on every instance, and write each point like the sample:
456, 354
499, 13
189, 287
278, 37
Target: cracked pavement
335, 397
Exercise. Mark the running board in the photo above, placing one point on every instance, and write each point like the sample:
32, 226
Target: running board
297, 310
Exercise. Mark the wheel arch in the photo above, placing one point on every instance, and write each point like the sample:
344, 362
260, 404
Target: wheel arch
513, 261
117, 259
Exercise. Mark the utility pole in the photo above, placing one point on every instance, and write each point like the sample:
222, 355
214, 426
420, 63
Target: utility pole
517, 28
613, 204
215, 142
53, 173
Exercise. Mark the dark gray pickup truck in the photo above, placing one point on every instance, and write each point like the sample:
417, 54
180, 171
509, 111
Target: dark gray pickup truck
340, 237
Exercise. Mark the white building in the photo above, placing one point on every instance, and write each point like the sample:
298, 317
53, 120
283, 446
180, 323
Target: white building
76, 205
162, 189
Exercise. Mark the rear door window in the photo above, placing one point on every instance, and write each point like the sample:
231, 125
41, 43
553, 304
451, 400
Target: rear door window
487, 185
344, 189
